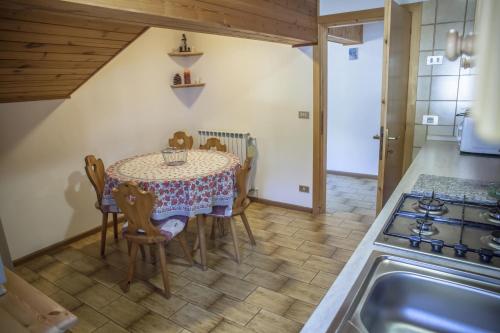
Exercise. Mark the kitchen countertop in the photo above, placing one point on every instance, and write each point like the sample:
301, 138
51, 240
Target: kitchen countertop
438, 159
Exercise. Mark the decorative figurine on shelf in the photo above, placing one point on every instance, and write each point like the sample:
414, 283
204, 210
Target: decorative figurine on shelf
177, 79
187, 76
184, 47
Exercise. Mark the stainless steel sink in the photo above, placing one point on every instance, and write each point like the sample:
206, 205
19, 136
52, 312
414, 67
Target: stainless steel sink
395, 294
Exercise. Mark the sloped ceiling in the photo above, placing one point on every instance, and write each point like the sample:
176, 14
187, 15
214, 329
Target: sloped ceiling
48, 56
49, 48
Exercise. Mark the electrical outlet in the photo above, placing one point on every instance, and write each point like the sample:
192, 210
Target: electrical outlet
303, 114
430, 120
304, 188
434, 60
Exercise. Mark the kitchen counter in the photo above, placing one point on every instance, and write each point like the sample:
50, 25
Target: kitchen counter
438, 159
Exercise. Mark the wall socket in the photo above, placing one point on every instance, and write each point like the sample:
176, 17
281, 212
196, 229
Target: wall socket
434, 60
303, 114
304, 188
430, 120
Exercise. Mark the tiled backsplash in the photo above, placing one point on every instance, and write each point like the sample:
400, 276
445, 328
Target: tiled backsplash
443, 90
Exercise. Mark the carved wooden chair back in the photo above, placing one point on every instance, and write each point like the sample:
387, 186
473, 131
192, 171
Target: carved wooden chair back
214, 143
137, 206
95, 171
241, 183
181, 140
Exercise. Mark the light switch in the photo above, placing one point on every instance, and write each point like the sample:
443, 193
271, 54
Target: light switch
434, 60
430, 120
303, 114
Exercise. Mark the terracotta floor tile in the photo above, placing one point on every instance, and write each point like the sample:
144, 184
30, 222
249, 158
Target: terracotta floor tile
161, 305
196, 319
74, 283
234, 287
236, 311
279, 219
286, 241
264, 248
317, 237
124, 312
317, 249
281, 229
138, 290
87, 265
153, 323
263, 262
231, 267
27, 274
303, 291
55, 271
225, 327
110, 327
38, 263
324, 264
97, 296
324, 279
277, 303
296, 272
45, 286
109, 276
88, 319
268, 322
291, 255
266, 279
197, 275
198, 294
300, 311
66, 300
176, 282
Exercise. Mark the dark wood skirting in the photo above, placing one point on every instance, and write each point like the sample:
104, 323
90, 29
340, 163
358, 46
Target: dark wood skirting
351, 174
66, 242
281, 204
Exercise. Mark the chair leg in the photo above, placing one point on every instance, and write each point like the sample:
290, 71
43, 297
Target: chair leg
143, 253
131, 266
152, 254
164, 271
129, 247
235, 241
104, 228
212, 232
247, 227
115, 225
200, 220
185, 247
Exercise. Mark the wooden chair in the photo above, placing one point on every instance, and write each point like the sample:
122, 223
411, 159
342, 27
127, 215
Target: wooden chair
95, 171
181, 140
240, 203
137, 206
214, 143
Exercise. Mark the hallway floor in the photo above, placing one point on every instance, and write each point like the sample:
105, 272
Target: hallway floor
351, 194
275, 289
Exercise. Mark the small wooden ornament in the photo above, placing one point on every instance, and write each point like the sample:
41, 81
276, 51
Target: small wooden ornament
177, 79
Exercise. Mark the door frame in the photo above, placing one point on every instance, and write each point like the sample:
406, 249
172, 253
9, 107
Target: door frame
320, 91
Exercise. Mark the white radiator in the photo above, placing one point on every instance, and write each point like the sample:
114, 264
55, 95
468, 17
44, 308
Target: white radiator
237, 143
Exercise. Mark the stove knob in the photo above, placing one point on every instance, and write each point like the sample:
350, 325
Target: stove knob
485, 255
437, 245
415, 241
460, 249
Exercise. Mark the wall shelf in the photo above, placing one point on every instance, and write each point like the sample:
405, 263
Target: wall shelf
185, 54
187, 85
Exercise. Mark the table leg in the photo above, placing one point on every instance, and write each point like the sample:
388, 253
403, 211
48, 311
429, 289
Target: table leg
200, 220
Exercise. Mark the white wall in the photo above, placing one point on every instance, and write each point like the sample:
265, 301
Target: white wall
128, 108
354, 92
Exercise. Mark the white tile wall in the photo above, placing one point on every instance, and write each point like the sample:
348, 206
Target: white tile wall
443, 90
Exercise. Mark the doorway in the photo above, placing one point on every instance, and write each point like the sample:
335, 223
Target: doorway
397, 101
354, 82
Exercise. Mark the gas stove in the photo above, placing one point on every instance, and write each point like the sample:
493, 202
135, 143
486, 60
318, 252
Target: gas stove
455, 229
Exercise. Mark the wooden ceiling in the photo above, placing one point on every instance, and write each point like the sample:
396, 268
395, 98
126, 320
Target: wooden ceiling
48, 56
49, 48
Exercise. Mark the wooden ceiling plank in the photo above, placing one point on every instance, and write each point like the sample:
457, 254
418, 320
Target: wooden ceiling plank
172, 13
350, 18
47, 71
42, 88
61, 30
56, 48
19, 98
9, 9
39, 83
16, 55
22, 64
30, 37
347, 35
40, 77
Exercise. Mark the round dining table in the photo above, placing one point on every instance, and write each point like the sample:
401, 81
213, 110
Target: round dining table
206, 180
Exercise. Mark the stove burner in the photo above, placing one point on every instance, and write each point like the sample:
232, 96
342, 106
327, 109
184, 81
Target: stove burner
431, 205
423, 227
494, 214
492, 240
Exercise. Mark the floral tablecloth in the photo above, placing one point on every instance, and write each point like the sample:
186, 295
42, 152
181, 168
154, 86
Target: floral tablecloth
206, 180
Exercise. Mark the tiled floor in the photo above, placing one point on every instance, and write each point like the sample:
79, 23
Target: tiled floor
275, 289
351, 194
